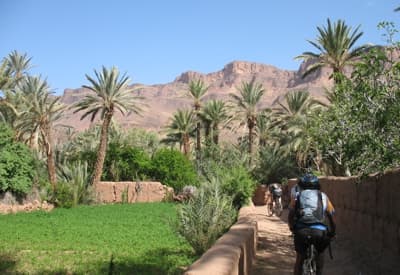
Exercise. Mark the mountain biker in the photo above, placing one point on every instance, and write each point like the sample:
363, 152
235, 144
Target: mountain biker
307, 218
275, 190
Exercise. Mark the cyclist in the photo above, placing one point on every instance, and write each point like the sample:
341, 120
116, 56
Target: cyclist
275, 190
307, 218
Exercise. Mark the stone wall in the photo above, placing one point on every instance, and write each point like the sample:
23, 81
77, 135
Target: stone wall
130, 192
233, 253
367, 210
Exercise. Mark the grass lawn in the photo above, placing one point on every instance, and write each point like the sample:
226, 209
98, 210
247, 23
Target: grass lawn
107, 239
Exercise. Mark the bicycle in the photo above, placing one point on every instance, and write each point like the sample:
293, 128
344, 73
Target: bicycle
275, 207
310, 261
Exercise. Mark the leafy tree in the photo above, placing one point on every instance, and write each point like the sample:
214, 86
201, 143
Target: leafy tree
172, 168
111, 93
335, 45
126, 163
16, 163
360, 131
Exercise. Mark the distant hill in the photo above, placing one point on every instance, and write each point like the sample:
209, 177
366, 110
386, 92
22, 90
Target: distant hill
164, 99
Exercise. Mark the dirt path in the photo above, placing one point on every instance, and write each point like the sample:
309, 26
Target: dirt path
275, 252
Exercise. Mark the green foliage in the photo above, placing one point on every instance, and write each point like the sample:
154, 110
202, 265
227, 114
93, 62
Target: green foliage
82, 239
172, 168
124, 163
205, 217
16, 164
229, 166
360, 132
274, 165
75, 186
63, 196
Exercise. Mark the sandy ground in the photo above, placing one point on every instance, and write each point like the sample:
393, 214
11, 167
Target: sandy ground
275, 252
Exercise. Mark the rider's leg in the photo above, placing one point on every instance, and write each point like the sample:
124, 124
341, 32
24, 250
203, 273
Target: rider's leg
320, 262
298, 265
300, 247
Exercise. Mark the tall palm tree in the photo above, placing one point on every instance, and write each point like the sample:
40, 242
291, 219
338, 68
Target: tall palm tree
43, 110
215, 112
197, 90
111, 94
334, 43
181, 127
250, 94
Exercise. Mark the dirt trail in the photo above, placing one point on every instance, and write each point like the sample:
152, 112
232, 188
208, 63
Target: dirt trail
275, 252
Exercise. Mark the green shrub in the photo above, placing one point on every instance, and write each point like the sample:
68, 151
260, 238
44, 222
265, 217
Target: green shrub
75, 185
16, 164
172, 168
125, 163
206, 216
63, 195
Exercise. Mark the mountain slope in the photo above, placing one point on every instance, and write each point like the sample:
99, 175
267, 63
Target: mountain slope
163, 100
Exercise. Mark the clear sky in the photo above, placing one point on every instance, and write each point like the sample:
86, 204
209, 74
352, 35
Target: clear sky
154, 41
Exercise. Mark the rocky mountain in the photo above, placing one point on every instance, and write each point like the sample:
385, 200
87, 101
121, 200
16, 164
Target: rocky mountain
163, 100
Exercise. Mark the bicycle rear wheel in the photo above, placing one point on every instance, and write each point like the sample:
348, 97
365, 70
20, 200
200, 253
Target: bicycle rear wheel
278, 208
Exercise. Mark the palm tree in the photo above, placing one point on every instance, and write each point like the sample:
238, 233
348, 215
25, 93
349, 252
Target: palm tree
214, 113
334, 44
111, 94
247, 107
18, 64
181, 128
293, 114
267, 128
42, 111
197, 90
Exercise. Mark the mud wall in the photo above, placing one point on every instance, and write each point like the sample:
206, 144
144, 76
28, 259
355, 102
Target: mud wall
130, 192
367, 210
233, 253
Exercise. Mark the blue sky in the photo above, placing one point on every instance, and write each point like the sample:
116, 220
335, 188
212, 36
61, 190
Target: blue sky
154, 41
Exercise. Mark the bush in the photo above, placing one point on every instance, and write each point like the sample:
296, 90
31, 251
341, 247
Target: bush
16, 164
125, 163
172, 168
206, 216
74, 187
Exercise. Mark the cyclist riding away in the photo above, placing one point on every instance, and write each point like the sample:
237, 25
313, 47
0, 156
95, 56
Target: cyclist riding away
274, 200
307, 215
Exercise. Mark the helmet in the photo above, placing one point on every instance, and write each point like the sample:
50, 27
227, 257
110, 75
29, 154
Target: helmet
309, 181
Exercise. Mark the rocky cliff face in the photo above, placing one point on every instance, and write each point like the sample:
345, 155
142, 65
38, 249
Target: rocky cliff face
163, 100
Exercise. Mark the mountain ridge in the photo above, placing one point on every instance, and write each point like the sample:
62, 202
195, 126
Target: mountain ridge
164, 99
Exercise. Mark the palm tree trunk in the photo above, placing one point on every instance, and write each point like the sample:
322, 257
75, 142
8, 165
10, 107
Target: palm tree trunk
215, 134
186, 148
51, 165
251, 125
101, 153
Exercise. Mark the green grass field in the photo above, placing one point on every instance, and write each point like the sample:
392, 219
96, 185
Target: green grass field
108, 239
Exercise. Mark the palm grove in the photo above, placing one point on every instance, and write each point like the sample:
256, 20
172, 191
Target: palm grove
355, 131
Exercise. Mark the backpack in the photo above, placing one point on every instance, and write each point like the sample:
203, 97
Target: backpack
277, 192
309, 207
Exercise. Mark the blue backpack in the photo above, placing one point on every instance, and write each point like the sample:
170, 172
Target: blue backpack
309, 207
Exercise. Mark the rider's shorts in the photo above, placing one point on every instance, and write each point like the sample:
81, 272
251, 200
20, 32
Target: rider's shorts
318, 237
